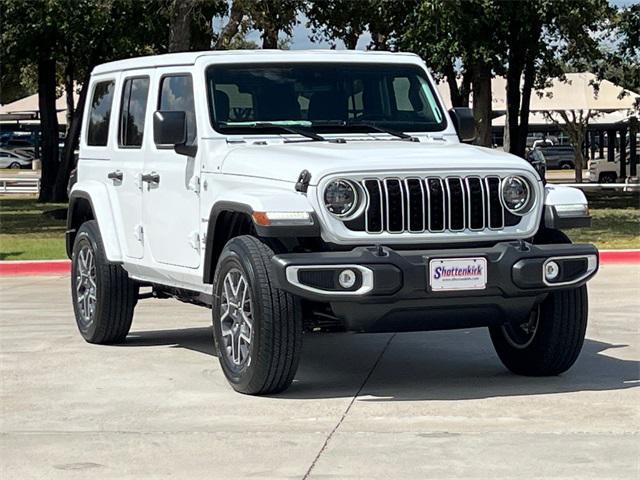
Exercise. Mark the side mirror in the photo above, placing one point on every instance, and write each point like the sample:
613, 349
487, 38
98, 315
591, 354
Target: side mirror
464, 123
170, 130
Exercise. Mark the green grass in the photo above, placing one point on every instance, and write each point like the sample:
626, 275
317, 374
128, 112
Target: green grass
28, 232
615, 220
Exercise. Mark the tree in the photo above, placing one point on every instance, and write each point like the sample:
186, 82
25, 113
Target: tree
334, 20
456, 33
574, 123
270, 17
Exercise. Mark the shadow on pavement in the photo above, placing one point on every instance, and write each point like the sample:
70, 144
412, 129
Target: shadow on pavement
449, 365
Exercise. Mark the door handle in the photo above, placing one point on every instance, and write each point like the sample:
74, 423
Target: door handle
115, 175
151, 178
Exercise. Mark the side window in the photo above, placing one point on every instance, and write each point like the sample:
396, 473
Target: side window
132, 111
176, 94
100, 113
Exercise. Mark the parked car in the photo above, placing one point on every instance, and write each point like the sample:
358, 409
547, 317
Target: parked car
558, 156
603, 171
331, 186
11, 159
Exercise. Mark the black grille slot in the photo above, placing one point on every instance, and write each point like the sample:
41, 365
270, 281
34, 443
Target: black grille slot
395, 205
323, 279
374, 213
436, 204
496, 213
415, 201
456, 200
475, 204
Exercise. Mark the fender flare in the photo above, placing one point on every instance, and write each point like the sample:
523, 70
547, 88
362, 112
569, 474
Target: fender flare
98, 198
279, 231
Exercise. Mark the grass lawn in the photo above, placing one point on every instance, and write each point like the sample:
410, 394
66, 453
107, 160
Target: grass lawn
28, 233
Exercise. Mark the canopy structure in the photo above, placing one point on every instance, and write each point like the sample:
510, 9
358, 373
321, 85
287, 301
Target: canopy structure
539, 119
579, 91
27, 110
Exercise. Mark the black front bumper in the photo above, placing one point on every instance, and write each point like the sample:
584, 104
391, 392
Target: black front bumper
400, 298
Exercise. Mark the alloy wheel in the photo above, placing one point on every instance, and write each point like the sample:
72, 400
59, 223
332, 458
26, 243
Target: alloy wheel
236, 318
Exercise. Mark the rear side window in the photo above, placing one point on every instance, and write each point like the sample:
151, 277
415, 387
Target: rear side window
176, 94
133, 110
100, 113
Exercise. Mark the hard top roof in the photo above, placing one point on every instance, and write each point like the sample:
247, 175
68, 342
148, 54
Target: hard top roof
189, 58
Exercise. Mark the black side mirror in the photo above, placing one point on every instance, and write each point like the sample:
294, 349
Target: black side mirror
170, 130
464, 123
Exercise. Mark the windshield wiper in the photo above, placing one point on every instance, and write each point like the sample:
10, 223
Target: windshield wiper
286, 128
371, 125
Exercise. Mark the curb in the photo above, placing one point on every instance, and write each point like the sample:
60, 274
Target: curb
62, 267
35, 267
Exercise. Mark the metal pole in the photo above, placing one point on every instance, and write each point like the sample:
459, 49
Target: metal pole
623, 153
633, 147
611, 145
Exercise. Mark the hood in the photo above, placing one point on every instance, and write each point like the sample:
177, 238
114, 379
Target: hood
285, 161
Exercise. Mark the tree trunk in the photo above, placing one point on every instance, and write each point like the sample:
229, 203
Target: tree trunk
527, 87
180, 27
68, 93
452, 81
482, 103
68, 161
270, 38
351, 40
232, 27
48, 125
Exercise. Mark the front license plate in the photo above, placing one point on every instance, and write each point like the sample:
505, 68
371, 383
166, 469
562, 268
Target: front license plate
458, 274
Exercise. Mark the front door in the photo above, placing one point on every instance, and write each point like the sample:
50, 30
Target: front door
171, 216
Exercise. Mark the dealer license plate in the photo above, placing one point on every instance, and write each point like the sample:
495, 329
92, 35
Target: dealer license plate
458, 274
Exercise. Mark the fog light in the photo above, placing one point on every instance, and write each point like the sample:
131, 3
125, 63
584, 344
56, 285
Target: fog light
551, 271
347, 278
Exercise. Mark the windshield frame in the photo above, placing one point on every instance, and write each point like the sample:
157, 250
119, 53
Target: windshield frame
322, 129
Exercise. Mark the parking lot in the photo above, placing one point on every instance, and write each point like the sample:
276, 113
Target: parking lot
412, 405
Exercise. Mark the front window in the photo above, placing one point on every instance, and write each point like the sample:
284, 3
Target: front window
325, 97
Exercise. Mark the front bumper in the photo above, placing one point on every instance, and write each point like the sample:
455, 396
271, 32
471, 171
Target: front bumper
393, 291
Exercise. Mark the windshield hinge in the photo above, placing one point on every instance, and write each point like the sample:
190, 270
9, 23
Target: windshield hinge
302, 185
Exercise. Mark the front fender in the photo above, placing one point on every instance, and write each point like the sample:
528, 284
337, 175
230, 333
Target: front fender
98, 197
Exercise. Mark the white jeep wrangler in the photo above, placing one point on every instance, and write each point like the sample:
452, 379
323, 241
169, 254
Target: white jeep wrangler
327, 186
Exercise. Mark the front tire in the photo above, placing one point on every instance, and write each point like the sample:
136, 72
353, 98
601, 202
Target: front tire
550, 340
257, 327
104, 296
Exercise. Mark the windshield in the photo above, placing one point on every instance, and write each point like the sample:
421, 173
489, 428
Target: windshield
325, 97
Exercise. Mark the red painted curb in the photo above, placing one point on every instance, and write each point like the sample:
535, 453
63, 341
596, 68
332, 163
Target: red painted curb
34, 267
61, 267
619, 256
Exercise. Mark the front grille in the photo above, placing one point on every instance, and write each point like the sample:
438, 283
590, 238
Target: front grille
433, 204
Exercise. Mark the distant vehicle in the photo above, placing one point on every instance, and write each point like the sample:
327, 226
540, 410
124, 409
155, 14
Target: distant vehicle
557, 156
602, 171
10, 159
28, 152
12, 143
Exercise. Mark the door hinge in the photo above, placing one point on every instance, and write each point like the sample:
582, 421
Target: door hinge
139, 233
194, 184
194, 240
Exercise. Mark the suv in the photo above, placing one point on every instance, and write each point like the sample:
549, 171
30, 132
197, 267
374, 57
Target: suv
603, 171
327, 186
557, 156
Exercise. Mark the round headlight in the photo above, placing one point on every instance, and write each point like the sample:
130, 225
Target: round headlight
341, 197
516, 195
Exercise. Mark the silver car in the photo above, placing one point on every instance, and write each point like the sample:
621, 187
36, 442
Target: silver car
10, 159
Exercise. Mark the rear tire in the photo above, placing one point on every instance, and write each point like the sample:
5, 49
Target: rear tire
549, 342
104, 296
15, 165
608, 178
257, 327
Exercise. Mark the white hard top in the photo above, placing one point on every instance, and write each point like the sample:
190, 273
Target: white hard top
249, 56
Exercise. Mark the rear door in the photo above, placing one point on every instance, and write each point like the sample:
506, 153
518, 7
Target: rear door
171, 194
129, 152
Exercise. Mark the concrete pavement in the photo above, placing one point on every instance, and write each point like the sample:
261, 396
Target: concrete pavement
422, 405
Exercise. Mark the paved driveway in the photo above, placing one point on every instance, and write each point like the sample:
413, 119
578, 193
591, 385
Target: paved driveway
426, 405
